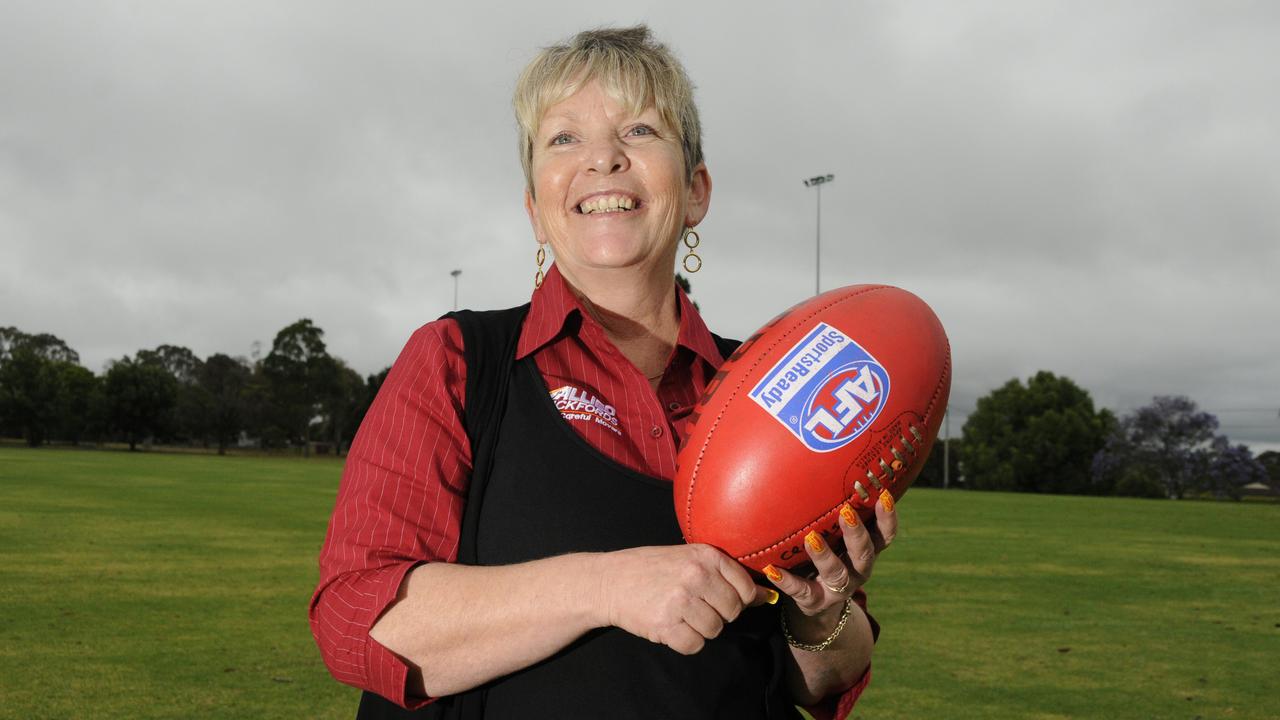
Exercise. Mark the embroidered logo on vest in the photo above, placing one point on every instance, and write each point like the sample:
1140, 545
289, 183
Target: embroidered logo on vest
575, 404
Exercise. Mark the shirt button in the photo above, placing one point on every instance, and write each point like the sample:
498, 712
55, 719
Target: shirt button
655, 431
673, 406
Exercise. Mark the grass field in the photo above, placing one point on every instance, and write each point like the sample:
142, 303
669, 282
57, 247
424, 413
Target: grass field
154, 585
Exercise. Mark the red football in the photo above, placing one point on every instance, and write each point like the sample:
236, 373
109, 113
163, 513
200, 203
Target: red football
833, 401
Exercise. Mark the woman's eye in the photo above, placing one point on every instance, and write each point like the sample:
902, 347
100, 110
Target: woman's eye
561, 139
641, 130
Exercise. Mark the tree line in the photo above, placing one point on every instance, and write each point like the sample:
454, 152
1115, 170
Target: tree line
1046, 436
295, 396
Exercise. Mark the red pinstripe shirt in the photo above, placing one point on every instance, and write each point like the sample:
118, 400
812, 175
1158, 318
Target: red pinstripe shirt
405, 480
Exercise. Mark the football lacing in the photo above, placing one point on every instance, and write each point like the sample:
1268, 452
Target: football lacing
889, 469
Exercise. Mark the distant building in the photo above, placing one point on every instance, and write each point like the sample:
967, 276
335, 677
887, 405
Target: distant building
1259, 489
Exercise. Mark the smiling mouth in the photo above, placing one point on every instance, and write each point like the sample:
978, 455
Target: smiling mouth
608, 204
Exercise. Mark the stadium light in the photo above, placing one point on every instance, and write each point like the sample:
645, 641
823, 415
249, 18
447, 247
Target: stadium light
818, 182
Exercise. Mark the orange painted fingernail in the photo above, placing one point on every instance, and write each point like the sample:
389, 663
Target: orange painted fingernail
886, 499
850, 517
772, 573
815, 541
772, 595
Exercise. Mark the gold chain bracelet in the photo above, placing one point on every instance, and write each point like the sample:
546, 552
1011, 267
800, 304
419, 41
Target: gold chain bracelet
818, 647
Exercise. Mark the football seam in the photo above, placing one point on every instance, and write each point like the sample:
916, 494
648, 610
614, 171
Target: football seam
693, 475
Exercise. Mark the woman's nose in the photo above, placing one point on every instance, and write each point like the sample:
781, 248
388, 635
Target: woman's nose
607, 157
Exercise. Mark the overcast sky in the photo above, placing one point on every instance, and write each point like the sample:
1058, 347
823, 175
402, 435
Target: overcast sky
1087, 188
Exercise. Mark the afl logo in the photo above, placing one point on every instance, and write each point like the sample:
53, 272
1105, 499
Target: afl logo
844, 405
826, 390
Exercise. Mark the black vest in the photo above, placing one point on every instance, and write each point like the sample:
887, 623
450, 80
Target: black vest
531, 470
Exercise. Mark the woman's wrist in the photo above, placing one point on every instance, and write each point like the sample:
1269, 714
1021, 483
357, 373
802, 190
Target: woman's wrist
818, 629
586, 576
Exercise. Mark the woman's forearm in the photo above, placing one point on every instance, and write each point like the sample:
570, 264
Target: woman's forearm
813, 676
462, 626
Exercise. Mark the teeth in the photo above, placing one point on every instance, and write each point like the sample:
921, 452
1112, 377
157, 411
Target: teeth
611, 203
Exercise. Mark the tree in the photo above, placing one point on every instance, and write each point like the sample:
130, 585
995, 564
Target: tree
29, 390
1229, 468
9, 337
261, 419
931, 475
1171, 447
373, 385
79, 403
139, 397
176, 360
190, 414
47, 346
301, 375
360, 396
1038, 437
1270, 461
344, 406
224, 380
38, 377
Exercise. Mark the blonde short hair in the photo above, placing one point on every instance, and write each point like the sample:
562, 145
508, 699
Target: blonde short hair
632, 68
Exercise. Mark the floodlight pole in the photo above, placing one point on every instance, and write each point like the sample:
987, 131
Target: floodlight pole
818, 182
455, 274
946, 451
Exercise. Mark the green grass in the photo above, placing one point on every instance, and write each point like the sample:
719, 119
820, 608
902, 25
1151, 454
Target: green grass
153, 585
1022, 606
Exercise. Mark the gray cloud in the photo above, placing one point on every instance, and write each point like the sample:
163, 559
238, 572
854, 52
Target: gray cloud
1084, 188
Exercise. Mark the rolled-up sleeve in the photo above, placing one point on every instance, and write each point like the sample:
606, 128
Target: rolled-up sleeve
399, 505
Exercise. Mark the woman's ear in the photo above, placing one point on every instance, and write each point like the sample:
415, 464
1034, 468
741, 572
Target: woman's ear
699, 196
531, 209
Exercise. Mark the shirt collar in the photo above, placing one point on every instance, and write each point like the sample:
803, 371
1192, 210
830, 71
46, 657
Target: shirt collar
554, 305
694, 333
549, 310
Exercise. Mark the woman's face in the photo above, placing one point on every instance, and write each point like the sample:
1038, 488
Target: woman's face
610, 187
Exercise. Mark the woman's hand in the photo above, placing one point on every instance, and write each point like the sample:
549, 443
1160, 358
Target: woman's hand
820, 600
679, 595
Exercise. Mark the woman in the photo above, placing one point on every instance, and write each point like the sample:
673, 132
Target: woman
504, 536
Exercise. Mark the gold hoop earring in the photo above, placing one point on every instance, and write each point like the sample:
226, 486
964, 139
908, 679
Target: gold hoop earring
538, 277
691, 241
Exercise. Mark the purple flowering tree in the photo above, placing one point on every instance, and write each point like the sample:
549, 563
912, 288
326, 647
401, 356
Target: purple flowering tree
1231, 467
1172, 448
